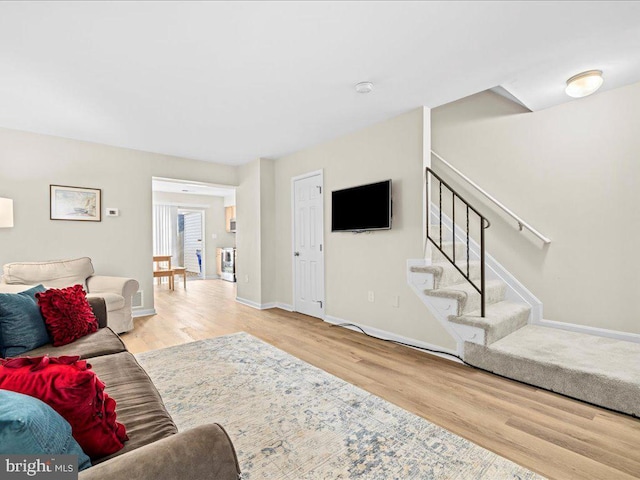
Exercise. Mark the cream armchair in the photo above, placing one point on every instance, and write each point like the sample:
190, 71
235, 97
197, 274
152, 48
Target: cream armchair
116, 291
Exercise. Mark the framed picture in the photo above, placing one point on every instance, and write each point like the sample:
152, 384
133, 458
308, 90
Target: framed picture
75, 203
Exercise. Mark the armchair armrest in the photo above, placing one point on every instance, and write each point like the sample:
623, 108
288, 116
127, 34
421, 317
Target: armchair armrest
203, 453
126, 287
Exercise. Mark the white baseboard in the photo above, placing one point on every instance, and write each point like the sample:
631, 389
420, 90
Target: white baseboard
212, 277
600, 332
143, 312
264, 306
284, 306
249, 303
383, 334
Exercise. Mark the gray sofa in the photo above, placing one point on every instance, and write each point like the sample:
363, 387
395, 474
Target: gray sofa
155, 450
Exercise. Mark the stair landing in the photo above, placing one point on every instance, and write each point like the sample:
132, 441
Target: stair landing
598, 370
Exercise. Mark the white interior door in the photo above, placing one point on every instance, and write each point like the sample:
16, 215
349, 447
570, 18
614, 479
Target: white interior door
308, 254
193, 243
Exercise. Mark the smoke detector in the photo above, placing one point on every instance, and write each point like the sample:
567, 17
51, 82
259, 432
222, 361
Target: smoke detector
364, 87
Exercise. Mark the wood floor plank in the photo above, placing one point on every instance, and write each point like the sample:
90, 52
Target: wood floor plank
555, 436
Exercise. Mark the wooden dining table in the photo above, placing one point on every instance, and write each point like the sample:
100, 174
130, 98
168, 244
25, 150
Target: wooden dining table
162, 267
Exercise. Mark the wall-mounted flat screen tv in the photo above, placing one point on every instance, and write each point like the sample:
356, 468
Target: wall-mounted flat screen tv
362, 208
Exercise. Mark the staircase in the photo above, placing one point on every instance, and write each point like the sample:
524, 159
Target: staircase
450, 296
508, 339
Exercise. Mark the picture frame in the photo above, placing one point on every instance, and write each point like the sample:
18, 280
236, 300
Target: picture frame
75, 203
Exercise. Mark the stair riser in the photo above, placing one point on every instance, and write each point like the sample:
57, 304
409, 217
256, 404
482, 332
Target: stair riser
492, 295
423, 281
433, 277
515, 324
494, 332
451, 276
596, 388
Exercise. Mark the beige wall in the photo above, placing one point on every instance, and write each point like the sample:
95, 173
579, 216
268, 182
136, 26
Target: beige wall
248, 261
214, 222
118, 245
268, 236
256, 223
572, 171
356, 264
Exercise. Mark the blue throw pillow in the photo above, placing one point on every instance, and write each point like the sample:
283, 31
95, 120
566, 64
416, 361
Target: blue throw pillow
22, 327
29, 426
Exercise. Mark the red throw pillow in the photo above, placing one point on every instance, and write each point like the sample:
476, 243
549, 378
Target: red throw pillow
71, 388
67, 314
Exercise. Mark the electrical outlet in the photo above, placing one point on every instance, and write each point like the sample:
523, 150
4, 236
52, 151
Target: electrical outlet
371, 297
246, 279
396, 301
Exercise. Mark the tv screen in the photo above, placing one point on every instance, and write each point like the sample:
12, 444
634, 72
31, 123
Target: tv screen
367, 207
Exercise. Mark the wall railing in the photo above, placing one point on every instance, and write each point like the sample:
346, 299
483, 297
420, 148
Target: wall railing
521, 223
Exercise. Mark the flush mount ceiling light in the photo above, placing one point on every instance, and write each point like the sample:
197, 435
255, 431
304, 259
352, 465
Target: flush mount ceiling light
364, 87
584, 83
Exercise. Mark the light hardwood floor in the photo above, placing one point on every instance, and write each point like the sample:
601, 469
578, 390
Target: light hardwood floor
555, 436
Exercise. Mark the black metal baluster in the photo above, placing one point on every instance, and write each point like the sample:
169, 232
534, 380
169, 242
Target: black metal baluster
484, 223
428, 201
482, 289
440, 207
453, 227
468, 276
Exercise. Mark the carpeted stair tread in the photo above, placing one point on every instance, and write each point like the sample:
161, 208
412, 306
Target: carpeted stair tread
434, 232
445, 273
595, 369
461, 252
468, 298
501, 319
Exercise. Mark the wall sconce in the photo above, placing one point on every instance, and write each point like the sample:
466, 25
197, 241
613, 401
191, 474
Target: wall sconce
6, 212
584, 83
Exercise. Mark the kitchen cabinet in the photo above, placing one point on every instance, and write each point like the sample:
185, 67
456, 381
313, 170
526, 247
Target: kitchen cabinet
230, 218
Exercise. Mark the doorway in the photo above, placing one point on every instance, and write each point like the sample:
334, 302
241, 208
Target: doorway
191, 244
189, 224
308, 244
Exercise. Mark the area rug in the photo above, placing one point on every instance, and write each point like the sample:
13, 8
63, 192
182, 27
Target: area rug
290, 420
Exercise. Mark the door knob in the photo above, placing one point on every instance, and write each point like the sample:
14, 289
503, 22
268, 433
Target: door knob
296, 254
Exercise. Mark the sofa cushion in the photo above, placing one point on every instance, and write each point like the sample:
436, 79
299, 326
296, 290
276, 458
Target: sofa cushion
29, 426
99, 308
102, 342
140, 406
67, 314
113, 300
71, 388
22, 327
52, 274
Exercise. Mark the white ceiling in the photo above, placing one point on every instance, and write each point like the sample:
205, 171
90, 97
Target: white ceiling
233, 81
191, 188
